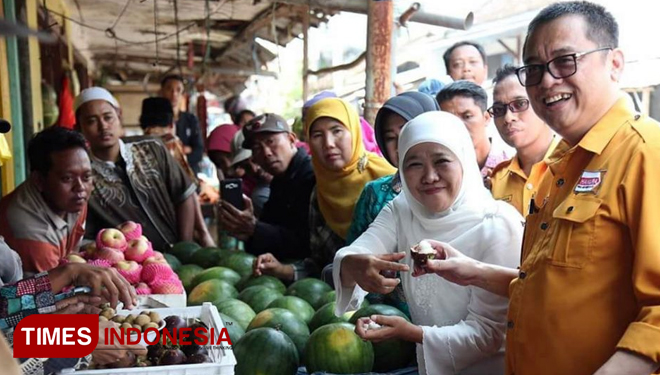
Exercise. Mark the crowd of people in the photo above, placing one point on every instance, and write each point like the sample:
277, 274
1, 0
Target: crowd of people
544, 262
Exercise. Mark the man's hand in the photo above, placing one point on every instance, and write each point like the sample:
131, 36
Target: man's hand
240, 224
267, 264
392, 327
80, 304
105, 354
104, 282
449, 264
365, 270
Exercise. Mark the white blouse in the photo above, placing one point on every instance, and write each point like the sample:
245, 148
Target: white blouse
464, 327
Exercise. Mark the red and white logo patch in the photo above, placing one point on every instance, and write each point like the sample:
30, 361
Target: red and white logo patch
589, 181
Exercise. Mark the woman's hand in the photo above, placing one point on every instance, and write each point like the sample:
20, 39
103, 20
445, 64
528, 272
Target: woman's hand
267, 264
104, 282
391, 327
449, 264
105, 353
365, 271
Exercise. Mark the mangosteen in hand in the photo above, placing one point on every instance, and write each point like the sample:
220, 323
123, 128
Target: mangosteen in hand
198, 358
172, 357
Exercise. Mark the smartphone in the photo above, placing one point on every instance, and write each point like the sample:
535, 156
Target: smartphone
231, 191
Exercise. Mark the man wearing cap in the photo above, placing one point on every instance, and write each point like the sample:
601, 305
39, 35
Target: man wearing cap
43, 220
283, 227
139, 181
256, 181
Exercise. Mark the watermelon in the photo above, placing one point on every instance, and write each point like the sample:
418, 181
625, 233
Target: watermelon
207, 257
240, 311
310, 289
239, 261
214, 291
234, 330
187, 273
265, 351
172, 261
285, 321
303, 310
259, 297
184, 251
326, 315
336, 349
390, 354
219, 273
265, 280
330, 296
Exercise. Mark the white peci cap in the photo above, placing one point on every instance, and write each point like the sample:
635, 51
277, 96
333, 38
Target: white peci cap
94, 93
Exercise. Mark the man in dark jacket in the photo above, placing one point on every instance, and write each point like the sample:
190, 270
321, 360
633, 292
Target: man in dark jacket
283, 228
187, 126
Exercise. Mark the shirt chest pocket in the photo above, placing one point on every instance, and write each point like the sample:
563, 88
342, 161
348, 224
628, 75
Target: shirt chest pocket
573, 231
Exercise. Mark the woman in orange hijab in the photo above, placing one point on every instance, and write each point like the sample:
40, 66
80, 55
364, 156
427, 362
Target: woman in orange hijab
342, 167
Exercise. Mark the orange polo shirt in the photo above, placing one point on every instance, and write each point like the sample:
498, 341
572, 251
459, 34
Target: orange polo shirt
509, 182
589, 281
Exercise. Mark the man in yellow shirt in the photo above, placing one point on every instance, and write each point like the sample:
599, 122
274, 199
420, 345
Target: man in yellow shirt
586, 298
516, 180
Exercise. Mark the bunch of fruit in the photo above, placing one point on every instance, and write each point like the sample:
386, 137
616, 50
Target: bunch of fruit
131, 253
146, 319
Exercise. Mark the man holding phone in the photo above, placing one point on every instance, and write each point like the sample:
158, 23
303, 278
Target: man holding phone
283, 228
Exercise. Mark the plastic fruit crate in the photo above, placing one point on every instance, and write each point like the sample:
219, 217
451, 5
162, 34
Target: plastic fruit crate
224, 360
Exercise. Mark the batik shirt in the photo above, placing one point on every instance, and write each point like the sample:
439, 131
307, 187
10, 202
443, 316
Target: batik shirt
145, 185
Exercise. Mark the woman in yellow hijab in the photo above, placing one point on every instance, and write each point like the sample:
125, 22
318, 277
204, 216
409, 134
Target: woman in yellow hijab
341, 164
342, 167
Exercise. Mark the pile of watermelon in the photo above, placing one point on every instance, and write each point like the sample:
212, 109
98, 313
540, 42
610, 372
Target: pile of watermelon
275, 328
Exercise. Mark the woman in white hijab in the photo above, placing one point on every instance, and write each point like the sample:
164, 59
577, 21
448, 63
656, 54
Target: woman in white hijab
457, 329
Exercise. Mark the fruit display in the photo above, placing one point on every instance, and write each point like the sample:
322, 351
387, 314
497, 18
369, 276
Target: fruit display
132, 255
159, 354
275, 328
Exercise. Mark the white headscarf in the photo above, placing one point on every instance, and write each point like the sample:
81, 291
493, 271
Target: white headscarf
473, 201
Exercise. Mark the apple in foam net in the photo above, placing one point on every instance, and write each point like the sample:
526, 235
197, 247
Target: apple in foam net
138, 249
111, 255
131, 230
154, 259
75, 258
127, 265
112, 238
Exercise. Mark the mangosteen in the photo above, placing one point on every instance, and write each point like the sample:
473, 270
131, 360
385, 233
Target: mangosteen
172, 357
174, 321
422, 253
198, 358
155, 351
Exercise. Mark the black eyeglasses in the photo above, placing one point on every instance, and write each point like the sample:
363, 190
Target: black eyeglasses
559, 67
518, 105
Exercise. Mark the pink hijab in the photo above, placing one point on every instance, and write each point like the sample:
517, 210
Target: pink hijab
220, 138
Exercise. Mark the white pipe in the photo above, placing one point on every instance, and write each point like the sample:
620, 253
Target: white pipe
361, 6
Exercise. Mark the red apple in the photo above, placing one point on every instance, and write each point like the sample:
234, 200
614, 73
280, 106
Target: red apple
153, 259
111, 237
138, 250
